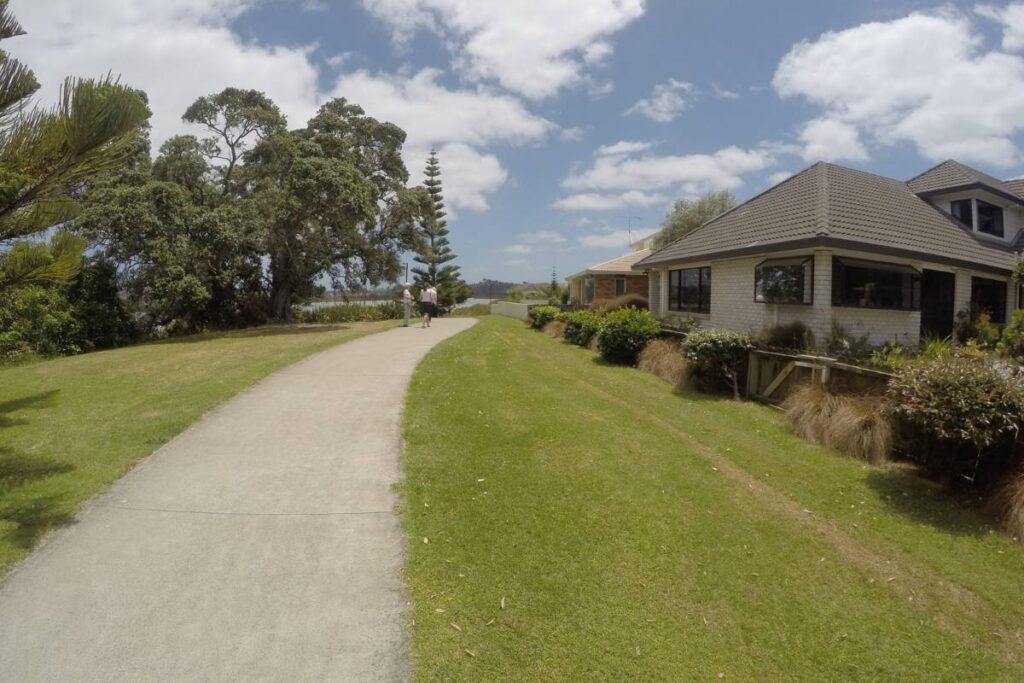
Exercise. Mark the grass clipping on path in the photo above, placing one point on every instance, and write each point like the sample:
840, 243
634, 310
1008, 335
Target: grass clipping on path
663, 358
852, 425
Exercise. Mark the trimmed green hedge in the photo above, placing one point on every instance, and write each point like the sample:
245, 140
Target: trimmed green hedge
581, 326
625, 333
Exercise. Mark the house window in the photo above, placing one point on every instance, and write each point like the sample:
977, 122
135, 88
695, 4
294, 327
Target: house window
588, 289
874, 284
620, 286
689, 290
990, 219
784, 280
990, 216
989, 296
963, 211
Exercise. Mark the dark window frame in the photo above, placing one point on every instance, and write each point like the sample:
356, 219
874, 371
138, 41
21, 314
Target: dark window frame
625, 285
841, 274
957, 213
806, 263
676, 289
998, 222
998, 313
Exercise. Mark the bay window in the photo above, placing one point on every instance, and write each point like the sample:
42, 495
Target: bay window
875, 284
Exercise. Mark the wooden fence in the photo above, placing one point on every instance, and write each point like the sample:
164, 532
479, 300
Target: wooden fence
771, 375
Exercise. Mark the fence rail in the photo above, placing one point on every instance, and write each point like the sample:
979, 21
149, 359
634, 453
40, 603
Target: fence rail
771, 375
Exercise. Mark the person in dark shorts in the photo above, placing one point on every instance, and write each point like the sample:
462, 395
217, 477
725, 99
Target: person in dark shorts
426, 305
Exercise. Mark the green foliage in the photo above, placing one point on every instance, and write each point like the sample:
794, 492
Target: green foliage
936, 347
542, 315
717, 357
435, 253
101, 312
581, 326
39, 321
38, 263
848, 347
795, 336
351, 313
1012, 342
624, 333
889, 356
976, 325
688, 215
46, 157
957, 401
474, 311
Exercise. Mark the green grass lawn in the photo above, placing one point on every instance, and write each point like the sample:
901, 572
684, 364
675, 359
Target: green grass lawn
571, 521
70, 426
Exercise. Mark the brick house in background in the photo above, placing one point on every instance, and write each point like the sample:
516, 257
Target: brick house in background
605, 281
840, 249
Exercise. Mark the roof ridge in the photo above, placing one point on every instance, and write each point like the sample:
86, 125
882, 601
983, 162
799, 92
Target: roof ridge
823, 202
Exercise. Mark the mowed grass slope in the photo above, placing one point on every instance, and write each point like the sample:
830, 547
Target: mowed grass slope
70, 426
636, 533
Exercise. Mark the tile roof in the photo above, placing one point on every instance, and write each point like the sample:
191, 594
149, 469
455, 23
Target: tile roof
1015, 186
620, 265
833, 206
952, 174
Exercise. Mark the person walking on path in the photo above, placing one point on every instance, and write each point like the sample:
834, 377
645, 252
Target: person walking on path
427, 305
406, 304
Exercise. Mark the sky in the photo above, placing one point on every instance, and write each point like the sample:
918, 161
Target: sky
565, 127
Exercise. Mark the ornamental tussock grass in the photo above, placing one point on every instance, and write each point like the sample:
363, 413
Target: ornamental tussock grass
555, 328
1008, 505
663, 358
852, 425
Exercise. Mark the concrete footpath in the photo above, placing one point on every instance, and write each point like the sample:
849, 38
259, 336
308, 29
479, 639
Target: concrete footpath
262, 544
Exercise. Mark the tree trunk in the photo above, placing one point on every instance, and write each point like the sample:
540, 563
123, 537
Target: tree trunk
281, 287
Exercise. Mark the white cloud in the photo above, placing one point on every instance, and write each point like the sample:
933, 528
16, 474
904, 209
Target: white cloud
595, 201
666, 102
776, 178
175, 51
622, 147
724, 93
831, 140
571, 134
518, 249
607, 239
1012, 18
469, 176
432, 113
341, 59
690, 174
314, 6
533, 47
517, 262
927, 79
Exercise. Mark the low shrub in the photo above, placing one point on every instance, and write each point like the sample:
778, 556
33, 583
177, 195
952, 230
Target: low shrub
38, 321
794, 336
540, 316
977, 325
625, 333
1012, 342
853, 425
717, 358
847, 347
581, 326
962, 412
352, 313
1008, 505
624, 301
555, 328
936, 347
664, 359
889, 356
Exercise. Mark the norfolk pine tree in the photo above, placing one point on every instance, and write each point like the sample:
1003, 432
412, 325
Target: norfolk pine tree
436, 254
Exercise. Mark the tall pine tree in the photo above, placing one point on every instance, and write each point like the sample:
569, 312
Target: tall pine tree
436, 254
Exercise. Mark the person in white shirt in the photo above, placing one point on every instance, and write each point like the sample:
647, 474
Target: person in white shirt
428, 301
406, 304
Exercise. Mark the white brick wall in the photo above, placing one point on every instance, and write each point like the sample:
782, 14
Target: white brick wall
733, 306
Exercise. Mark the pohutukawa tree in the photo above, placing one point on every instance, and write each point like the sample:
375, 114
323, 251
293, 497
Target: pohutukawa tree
48, 156
435, 253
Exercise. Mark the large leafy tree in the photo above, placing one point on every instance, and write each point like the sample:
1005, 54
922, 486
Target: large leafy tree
236, 119
334, 202
435, 254
687, 215
47, 156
